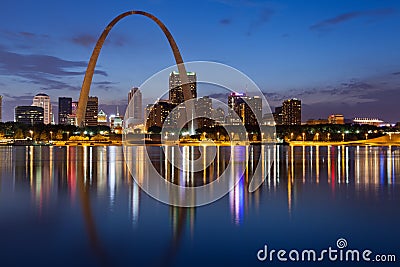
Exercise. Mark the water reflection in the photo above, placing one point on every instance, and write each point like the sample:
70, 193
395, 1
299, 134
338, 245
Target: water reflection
51, 170
93, 175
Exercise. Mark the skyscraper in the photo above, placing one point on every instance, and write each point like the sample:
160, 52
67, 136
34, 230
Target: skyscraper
135, 109
64, 109
291, 112
278, 115
253, 113
29, 115
236, 105
43, 100
92, 109
249, 109
219, 116
204, 111
1, 108
175, 87
157, 113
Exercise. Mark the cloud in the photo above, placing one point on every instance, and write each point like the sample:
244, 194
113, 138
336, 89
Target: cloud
43, 70
396, 73
84, 40
326, 24
225, 21
105, 85
263, 17
368, 98
23, 35
89, 40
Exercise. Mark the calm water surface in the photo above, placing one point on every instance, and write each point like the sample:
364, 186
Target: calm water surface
79, 206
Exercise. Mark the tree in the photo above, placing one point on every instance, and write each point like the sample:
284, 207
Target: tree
99, 137
44, 136
19, 134
59, 135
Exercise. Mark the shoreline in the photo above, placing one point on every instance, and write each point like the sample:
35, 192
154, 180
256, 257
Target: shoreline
209, 143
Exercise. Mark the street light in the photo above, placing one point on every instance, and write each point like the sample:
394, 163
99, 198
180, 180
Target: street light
67, 136
366, 136
31, 132
329, 135
303, 134
343, 136
291, 136
217, 136
51, 136
317, 135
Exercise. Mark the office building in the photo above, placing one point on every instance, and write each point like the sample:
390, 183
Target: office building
317, 121
102, 118
278, 116
219, 116
64, 109
336, 119
135, 108
249, 109
175, 87
29, 115
157, 113
92, 110
253, 113
204, 112
43, 100
291, 112
116, 123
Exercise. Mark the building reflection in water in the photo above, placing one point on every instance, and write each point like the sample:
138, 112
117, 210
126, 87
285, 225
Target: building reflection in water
88, 173
49, 171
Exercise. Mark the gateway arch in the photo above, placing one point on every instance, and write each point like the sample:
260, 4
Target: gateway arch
87, 81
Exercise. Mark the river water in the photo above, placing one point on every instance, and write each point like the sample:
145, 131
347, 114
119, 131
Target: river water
79, 206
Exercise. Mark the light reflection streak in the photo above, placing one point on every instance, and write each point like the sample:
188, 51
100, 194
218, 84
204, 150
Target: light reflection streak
111, 176
317, 164
366, 167
304, 164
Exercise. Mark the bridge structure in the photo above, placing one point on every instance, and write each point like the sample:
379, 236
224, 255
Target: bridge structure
87, 81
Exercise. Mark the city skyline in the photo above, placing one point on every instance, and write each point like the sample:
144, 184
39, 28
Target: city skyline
289, 112
338, 60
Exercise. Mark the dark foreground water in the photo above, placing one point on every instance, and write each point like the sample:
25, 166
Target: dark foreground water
79, 206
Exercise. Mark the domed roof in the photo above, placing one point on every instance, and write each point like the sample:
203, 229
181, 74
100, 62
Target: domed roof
41, 94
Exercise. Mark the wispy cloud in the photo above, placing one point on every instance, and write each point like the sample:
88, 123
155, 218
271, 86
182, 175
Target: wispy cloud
225, 21
376, 97
89, 40
327, 23
43, 70
84, 40
23, 35
263, 17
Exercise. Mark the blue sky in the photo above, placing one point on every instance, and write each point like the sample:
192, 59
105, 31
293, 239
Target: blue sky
337, 56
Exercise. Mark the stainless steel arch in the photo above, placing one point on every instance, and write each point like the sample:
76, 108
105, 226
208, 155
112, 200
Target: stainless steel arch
87, 81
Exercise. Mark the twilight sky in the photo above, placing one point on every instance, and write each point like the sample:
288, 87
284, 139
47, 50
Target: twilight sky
337, 56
